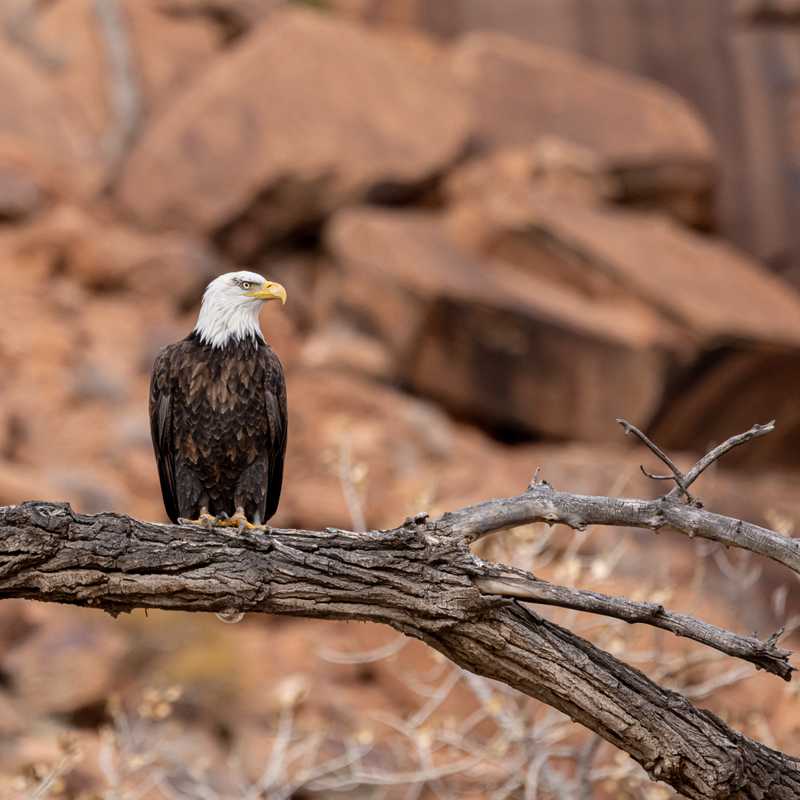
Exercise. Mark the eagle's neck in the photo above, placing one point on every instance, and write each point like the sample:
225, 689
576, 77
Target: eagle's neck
220, 323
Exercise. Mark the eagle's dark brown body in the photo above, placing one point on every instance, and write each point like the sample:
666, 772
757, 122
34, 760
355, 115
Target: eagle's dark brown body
218, 422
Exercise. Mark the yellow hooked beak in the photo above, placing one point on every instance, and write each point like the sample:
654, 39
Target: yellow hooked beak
269, 291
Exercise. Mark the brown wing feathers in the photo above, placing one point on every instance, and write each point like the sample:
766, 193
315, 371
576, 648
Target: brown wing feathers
161, 431
277, 417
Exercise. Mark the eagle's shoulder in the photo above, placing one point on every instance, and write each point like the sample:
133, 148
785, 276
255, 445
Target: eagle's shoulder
173, 358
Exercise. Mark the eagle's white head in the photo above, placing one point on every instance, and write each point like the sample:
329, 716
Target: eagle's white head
231, 304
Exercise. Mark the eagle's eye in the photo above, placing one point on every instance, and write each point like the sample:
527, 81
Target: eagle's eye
246, 285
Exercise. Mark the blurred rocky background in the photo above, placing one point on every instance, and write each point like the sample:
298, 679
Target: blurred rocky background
501, 225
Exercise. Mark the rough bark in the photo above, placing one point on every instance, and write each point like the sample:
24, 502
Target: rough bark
422, 580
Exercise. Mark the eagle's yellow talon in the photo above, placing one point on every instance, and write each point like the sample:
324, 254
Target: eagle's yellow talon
239, 520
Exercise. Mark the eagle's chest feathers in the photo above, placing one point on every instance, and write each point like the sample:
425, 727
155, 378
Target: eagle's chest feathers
223, 402
221, 386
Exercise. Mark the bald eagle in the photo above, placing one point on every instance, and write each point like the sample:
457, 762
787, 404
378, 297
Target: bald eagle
218, 410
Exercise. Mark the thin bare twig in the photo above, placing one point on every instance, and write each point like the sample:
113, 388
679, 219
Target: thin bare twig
677, 475
714, 455
352, 496
438, 697
271, 775
317, 776
48, 782
729, 678
583, 768
364, 657
369, 778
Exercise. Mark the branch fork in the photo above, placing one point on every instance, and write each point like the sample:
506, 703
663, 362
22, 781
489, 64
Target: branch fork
683, 482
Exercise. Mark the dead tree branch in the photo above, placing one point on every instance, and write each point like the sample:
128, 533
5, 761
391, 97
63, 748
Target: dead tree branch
683, 482
764, 654
422, 579
544, 504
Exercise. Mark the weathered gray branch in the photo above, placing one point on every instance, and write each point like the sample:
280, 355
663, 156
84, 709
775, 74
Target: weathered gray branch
419, 578
542, 503
422, 579
683, 482
764, 654
714, 455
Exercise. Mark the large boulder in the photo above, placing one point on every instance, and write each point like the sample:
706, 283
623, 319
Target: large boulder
734, 60
550, 163
716, 293
560, 166
645, 138
115, 96
520, 90
308, 113
509, 347
743, 322
42, 144
78, 85
102, 255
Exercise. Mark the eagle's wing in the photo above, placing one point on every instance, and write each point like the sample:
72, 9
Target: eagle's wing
161, 429
278, 422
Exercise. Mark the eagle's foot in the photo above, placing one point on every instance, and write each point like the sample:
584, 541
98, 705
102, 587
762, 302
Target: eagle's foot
205, 520
239, 520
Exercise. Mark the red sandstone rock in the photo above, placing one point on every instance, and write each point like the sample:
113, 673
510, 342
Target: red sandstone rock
733, 60
507, 346
715, 292
167, 54
741, 322
354, 117
40, 133
647, 140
